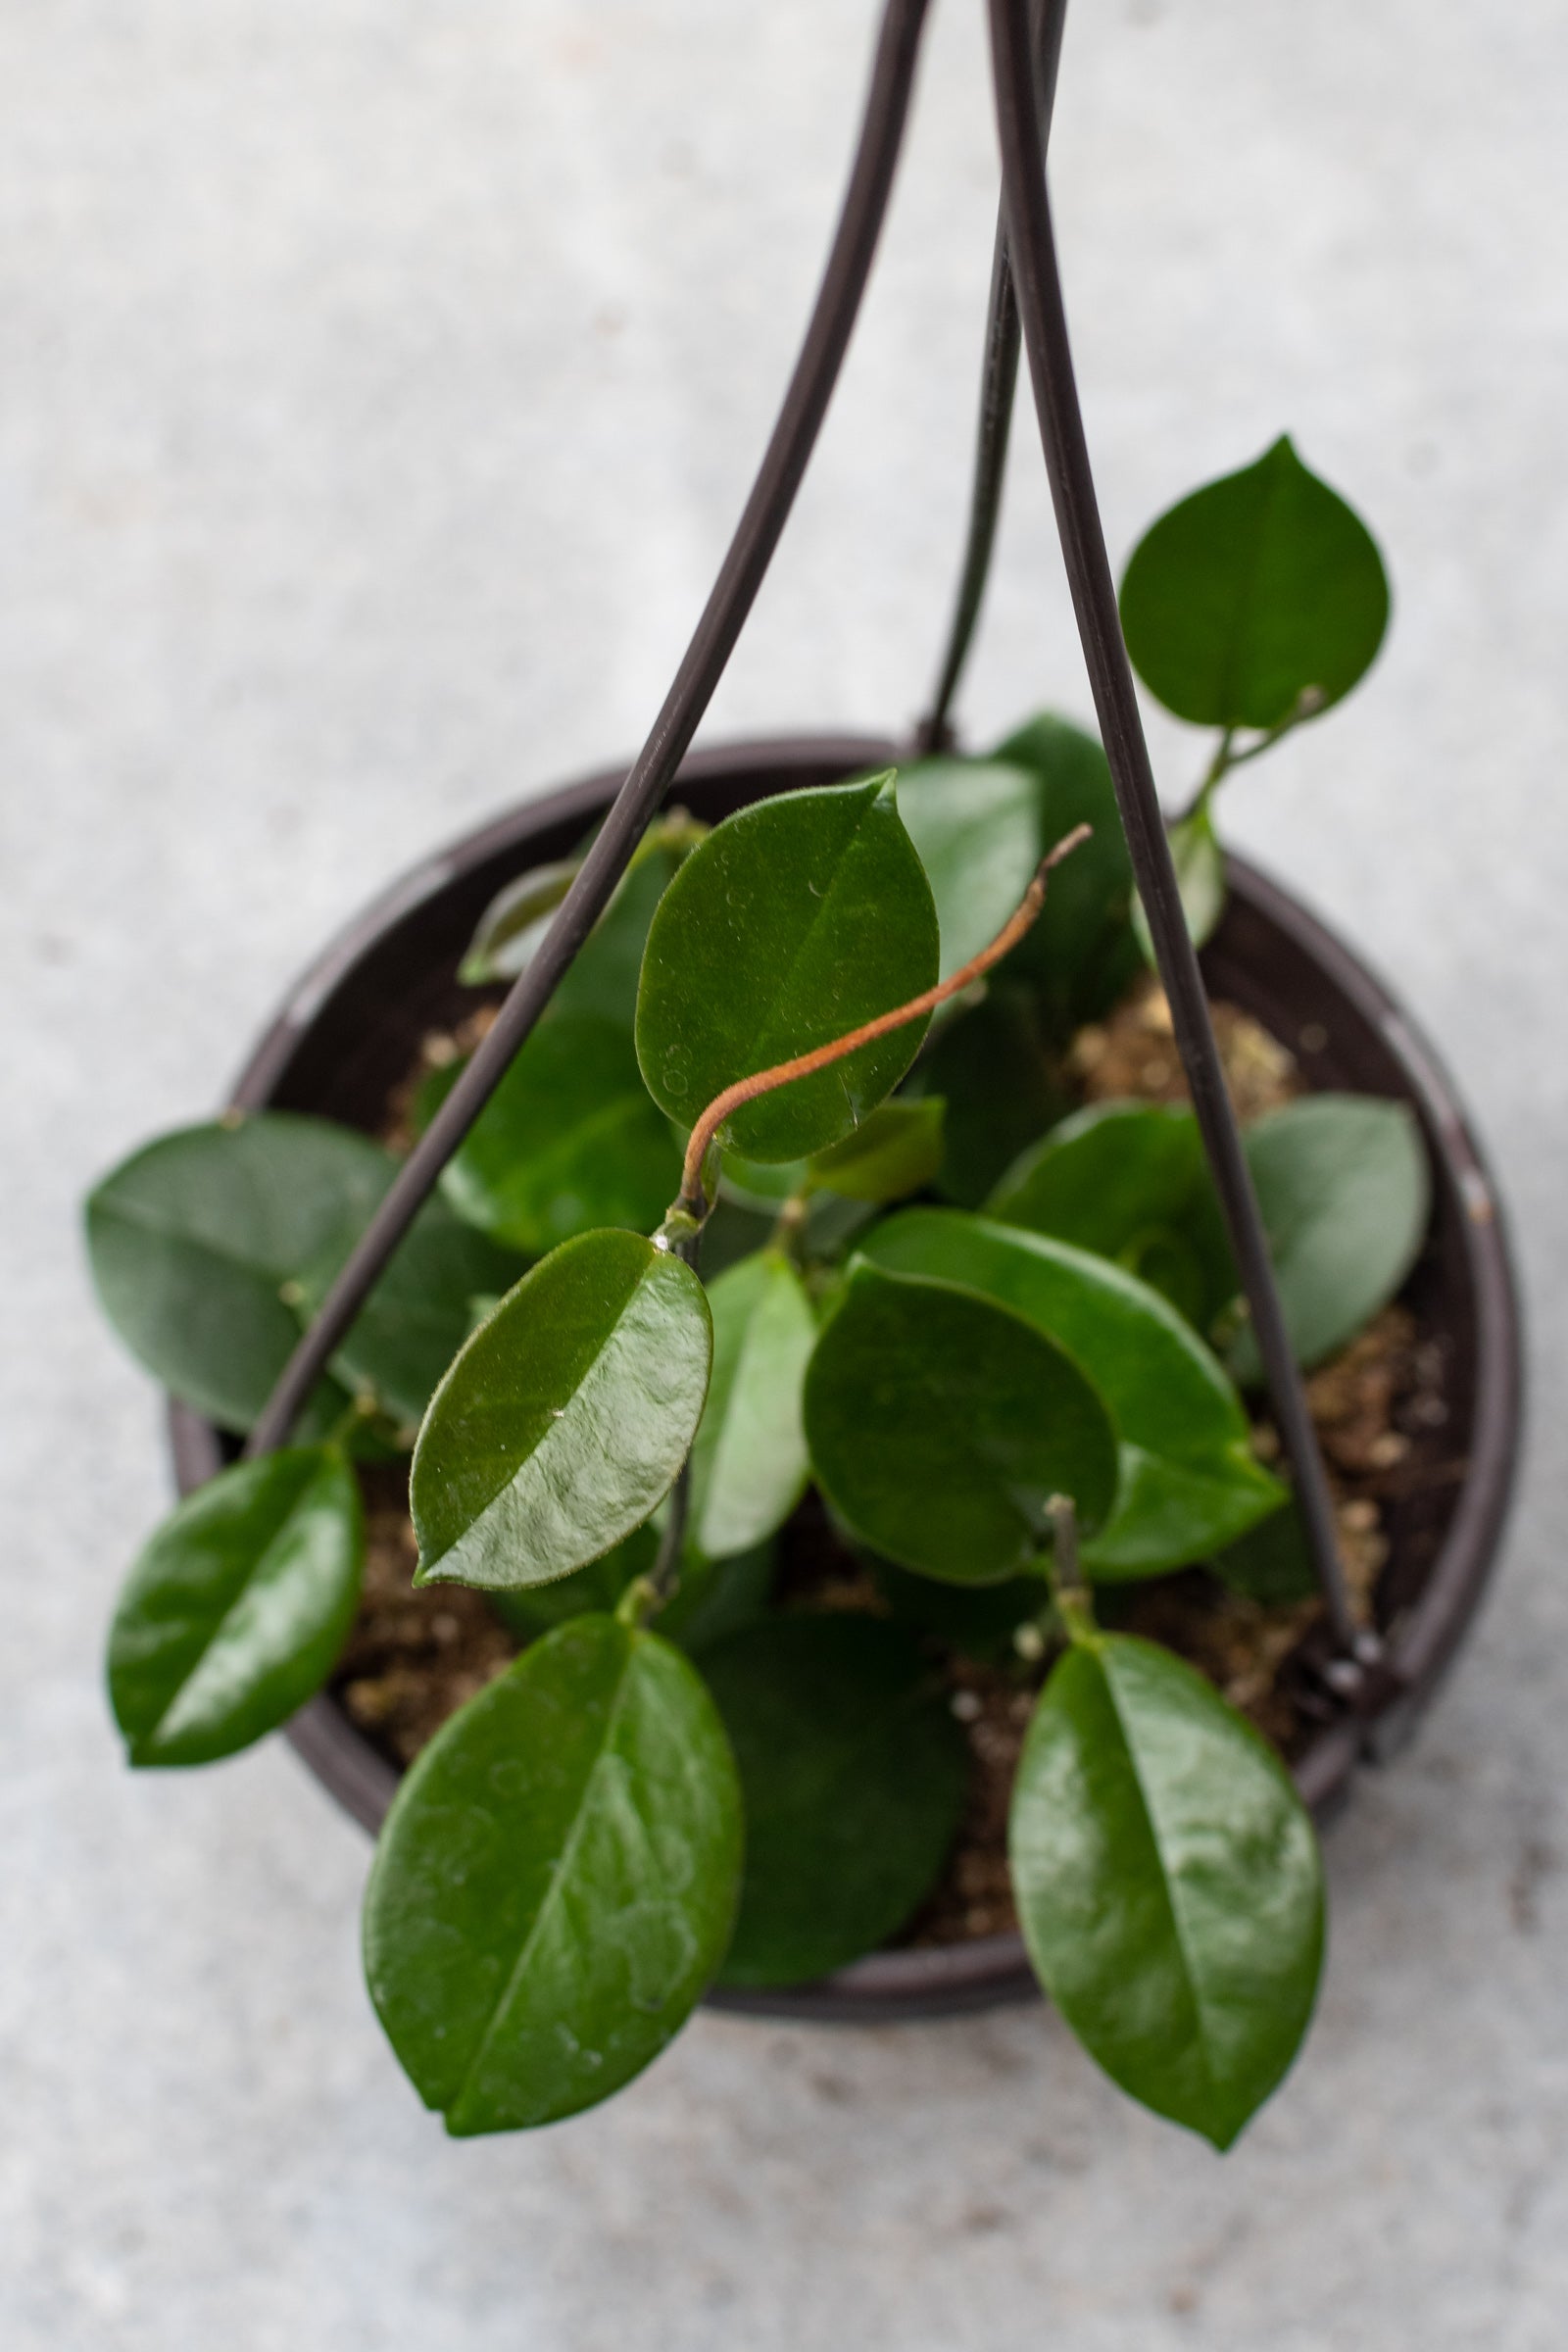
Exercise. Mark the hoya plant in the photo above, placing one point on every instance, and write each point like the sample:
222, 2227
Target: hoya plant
787, 1218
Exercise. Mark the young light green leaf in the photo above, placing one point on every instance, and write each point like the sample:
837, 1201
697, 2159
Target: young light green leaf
976, 826
1254, 591
854, 1774
1129, 1181
603, 977
236, 1610
1188, 1478
1346, 1192
898, 1151
1168, 1884
941, 1425
510, 928
1200, 865
1081, 953
555, 1881
797, 919
565, 1417
749, 1463
569, 1141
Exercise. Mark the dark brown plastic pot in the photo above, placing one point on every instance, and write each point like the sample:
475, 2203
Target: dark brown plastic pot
350, 1032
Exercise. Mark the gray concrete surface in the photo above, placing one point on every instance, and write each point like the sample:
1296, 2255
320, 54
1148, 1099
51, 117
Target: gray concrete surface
377, 386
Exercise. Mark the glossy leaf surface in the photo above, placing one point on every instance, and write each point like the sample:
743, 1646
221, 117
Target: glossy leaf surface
1188, 1478
1168, 1884
532, 1610
1081, 953
1251, 592
566, 1418
941, 1425
853, 1774
1346, 1192
569, 1141
897, 1152
748, 1462
1129, 1181
236, 1609
795, 922
975, 824
556, 1880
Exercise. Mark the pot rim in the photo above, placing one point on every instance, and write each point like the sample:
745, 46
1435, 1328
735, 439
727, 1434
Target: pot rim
929, 1981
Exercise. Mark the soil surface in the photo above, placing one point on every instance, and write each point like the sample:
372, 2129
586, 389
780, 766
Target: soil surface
415, 1656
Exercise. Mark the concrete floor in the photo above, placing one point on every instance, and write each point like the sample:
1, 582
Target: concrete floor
379, 386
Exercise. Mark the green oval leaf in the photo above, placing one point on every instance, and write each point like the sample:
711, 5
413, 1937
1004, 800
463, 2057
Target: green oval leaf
898, 1151
941, 1426
420, 1313
565, 1417
1346, 1194
554, 1884
1252, 592
569, 1141
854, 1774
1188, 1478
193, 1238
1168, 1884
749, 1463
794, 922
211, 1246
975, 824
1129, 1181
236, 1609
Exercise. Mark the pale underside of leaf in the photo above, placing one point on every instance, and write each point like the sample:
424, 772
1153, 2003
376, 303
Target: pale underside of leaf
599, 1467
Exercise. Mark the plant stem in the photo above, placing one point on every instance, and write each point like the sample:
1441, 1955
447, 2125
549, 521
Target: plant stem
1308, 703
683, 1237
1074, 1603
693, 1200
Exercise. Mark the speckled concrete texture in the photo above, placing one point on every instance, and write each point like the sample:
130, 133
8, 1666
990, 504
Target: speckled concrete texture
378, 387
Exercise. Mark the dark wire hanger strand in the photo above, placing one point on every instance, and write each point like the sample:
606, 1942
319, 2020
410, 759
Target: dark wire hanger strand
750, 550
999, 384
1032, 255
